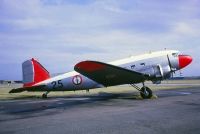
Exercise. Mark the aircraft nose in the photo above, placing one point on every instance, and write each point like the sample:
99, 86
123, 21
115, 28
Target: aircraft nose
184, 60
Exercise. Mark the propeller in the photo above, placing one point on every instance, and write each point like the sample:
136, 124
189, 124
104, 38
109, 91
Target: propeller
172, 71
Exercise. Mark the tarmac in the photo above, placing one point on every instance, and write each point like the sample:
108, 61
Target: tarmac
175, 111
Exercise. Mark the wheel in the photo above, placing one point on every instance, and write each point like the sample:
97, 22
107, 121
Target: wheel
146, 93
44, 95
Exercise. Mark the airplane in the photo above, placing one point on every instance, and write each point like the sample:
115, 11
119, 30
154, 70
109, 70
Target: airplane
89, 74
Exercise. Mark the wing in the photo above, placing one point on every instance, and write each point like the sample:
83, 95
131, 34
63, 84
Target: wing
33, 88
107, 74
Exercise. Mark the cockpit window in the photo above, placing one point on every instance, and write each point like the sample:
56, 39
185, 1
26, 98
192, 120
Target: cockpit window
175, 54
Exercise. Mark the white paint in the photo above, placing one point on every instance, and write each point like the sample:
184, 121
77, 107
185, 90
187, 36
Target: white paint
143, 57
117, 63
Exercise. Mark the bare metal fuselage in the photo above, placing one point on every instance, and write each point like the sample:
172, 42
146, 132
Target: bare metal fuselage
155, 65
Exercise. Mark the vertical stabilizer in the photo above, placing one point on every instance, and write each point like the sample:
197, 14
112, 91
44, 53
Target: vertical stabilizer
33, 72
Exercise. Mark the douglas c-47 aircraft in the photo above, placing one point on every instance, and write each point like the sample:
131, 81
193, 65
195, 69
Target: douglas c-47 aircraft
153, 66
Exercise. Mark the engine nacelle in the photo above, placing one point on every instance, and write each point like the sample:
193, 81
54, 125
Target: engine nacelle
157, 72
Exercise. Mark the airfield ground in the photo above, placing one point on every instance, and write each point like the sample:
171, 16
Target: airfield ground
175, 108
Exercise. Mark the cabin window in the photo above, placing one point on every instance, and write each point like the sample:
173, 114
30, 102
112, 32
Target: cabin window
175, 54
142, 64
132, 66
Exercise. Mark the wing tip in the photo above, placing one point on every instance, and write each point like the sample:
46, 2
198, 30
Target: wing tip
89, 66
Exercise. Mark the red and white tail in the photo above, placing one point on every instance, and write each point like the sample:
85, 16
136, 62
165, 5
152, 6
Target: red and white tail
33, 73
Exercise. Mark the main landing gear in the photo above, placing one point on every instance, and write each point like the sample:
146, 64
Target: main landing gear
145, 92
44, 95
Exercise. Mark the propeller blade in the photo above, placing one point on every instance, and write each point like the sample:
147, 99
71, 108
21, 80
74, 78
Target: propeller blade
170, 66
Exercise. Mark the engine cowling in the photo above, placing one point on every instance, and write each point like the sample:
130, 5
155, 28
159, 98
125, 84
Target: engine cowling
157, 72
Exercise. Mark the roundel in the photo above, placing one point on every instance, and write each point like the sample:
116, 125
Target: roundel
77, 80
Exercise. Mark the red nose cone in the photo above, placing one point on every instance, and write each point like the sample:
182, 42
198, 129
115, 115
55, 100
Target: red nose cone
184, 60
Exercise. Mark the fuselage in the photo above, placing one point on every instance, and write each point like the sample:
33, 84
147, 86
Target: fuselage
157, 65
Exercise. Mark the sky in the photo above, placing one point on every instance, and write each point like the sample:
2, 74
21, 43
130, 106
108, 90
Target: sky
61, 33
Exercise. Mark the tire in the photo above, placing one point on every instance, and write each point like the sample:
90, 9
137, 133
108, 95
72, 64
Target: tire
44, 96
148, 93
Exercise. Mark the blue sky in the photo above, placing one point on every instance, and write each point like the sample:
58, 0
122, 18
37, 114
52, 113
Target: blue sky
60, 33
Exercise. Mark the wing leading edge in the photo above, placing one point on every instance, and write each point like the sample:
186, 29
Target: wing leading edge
107, 74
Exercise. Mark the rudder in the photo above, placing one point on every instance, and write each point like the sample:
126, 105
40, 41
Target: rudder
33, 72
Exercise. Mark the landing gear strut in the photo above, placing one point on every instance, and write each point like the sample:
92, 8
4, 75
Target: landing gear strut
44, 95
145, 92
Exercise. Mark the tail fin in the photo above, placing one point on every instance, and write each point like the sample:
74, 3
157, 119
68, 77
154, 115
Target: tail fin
33, 72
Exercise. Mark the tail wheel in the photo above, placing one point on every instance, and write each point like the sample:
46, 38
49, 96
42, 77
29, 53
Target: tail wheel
145, 92
44, 95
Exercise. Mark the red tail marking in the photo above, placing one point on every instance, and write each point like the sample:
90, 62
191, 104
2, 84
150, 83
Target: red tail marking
40, 73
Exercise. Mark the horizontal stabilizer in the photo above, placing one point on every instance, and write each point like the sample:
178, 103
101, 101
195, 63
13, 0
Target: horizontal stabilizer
33, 88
